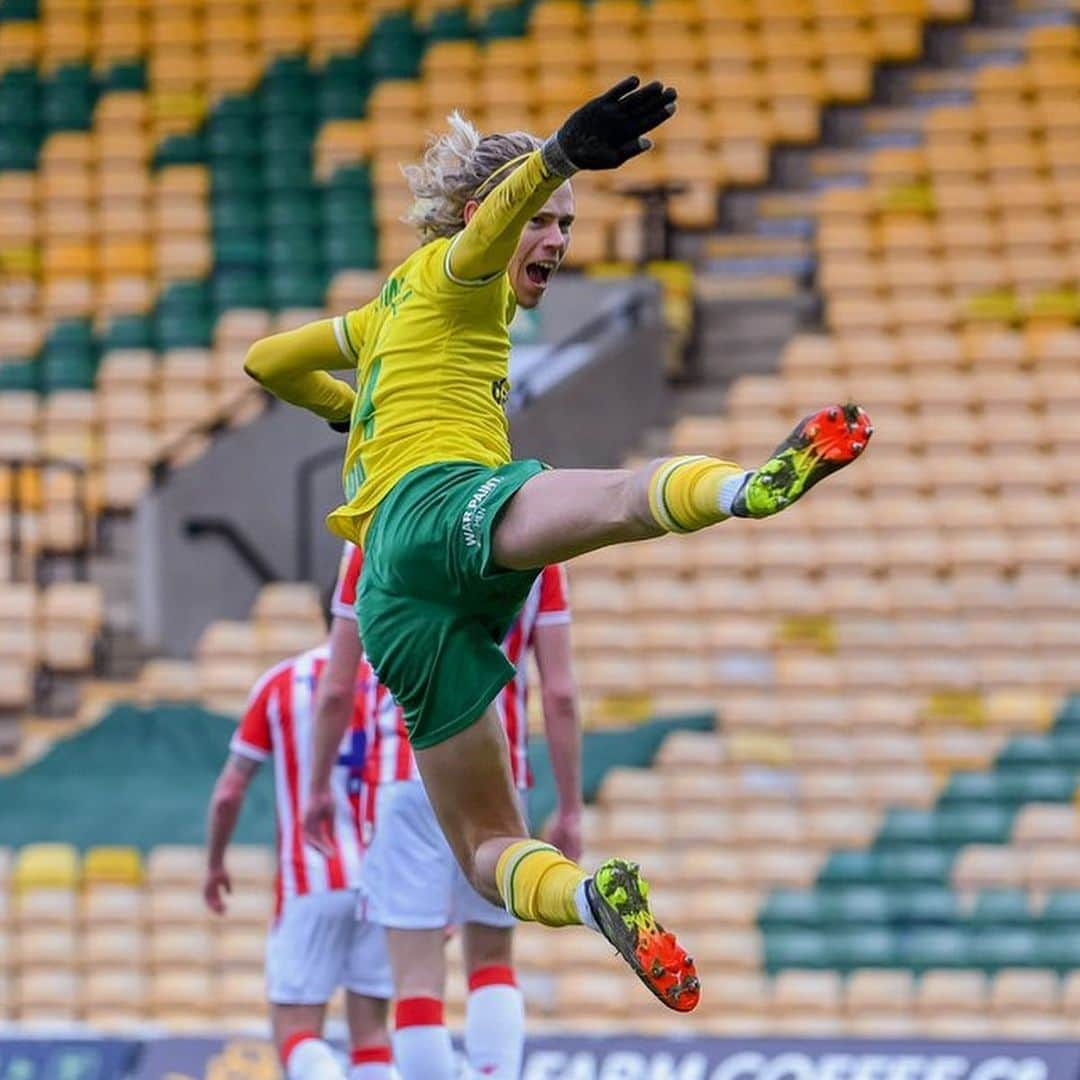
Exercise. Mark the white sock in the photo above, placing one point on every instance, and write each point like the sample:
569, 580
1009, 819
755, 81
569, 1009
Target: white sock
730, 489
495, 1024
371, 1072
312, 1059
422, 1047
581, 902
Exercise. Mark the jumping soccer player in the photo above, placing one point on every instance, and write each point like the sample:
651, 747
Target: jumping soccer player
454, 531
414, 886
319, 939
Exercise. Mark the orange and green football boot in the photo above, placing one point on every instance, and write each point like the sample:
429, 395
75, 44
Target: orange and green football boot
619, 898
820, 444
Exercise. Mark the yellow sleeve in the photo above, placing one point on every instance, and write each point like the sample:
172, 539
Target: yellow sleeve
294, 366
482, 250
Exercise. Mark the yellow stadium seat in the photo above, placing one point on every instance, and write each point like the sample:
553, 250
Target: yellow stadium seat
46, 866
108, 866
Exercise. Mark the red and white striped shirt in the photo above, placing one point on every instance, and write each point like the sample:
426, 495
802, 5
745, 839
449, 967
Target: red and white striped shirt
278, 722
389, 755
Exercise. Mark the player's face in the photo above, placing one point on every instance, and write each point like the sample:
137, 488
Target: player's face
542, 247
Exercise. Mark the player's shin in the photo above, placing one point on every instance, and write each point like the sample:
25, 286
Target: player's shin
689, 493
538, 883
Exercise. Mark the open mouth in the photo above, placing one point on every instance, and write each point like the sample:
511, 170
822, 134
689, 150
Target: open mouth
539, 273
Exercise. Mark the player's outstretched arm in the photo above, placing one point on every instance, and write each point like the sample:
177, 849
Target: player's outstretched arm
603, 134
225, 803
295, 367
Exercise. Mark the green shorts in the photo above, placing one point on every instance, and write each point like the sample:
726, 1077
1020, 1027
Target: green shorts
433, 609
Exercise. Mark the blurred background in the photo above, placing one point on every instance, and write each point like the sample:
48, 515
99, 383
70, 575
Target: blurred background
841, 742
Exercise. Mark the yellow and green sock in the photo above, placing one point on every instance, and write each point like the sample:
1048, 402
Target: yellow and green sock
688, 493
538, 883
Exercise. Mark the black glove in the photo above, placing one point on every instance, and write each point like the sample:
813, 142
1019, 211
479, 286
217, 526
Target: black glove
608, 131
341, 425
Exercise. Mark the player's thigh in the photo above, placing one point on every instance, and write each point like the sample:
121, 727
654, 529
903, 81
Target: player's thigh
468, 780
562, 513
307, 946
409, 869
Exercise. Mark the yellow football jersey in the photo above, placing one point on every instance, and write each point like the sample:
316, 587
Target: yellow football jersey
432, 361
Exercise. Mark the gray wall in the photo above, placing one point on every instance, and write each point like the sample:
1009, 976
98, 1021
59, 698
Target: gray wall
592, 416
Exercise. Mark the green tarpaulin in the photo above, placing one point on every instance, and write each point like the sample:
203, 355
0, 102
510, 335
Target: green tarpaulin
142, 776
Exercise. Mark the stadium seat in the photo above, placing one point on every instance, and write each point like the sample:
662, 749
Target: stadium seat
107, 866
46, 866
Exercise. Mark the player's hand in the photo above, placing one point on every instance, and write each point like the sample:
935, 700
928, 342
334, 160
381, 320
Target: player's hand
610, 130
319, 821
564, 832
217, 883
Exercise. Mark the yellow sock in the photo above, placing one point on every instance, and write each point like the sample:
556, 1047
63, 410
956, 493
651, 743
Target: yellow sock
684, 492
537, 883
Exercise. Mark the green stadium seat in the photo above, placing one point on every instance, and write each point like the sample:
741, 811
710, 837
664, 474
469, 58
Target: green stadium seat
296, 288
864, 947
19, 100
449, 24
857, 905
344, 87
851, 867
785, 909
294, 209
925, 905
296, 247
973, 787
183, 329
18, 10
126, 75
1061, 912
1059, 950
240, 249
959, 825
233, 136
936, 947
904, 827
239, 289
188, 148
285, 174
68, 97
236, 179
354, 249
236, 212
1000, 908
503, 22
1066, 748
395, 48
1008, 947
1068, 719
20, 375
797, 949
18, 149
925, 863
129, 332
1043, 784
1028, 751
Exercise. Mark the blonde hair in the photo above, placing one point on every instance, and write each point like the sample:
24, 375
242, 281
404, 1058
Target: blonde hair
455, 168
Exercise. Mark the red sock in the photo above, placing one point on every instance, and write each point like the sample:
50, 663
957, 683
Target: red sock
422, 1048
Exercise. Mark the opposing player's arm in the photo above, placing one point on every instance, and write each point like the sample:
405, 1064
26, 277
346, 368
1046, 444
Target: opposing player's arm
225, 804
334, 701
295, 366
562, 723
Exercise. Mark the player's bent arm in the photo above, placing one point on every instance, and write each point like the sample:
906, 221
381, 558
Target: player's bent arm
225, 804
483, 249
334, 699
562, 719
295, 367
